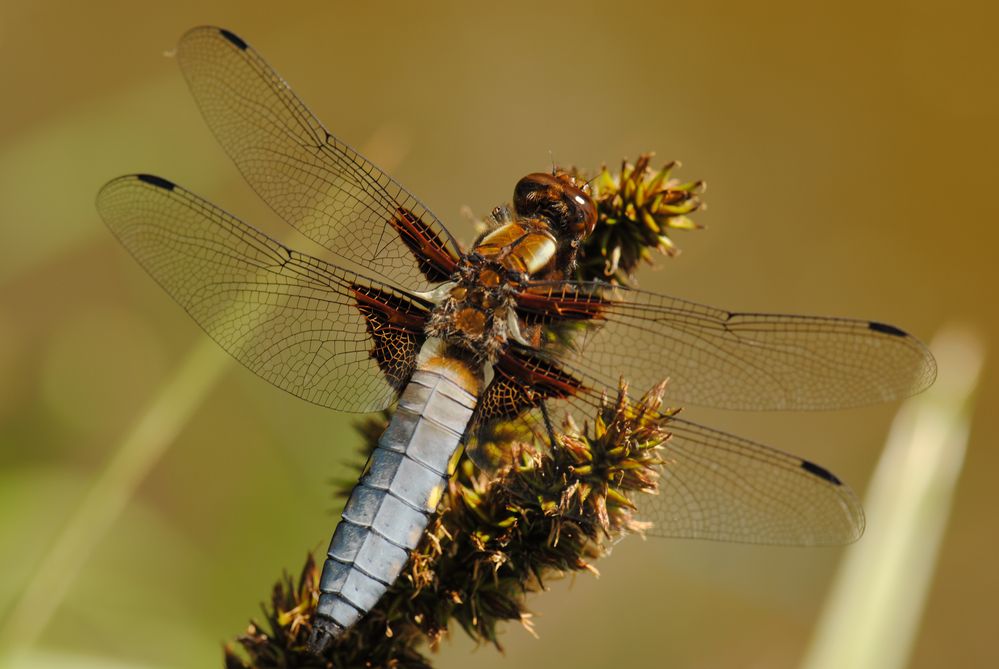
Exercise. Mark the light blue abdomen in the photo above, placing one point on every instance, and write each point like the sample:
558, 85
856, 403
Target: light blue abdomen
394, 500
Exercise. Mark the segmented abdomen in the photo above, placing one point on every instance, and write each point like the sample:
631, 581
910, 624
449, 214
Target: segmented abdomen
392, 504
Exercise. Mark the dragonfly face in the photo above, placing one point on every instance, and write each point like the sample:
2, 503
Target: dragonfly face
406, 315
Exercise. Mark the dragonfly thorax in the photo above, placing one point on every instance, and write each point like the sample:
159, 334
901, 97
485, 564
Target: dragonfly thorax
476, 311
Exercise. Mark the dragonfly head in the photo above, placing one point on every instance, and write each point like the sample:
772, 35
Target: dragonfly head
556, 198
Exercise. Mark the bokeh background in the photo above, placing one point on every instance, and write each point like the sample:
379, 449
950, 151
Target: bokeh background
849, 149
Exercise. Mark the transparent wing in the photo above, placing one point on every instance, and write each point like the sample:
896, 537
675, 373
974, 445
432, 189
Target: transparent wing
736, 360
717, 486
721, 487
290, 318
312, 180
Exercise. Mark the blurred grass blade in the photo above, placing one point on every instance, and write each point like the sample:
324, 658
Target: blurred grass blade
873, 612
86, 527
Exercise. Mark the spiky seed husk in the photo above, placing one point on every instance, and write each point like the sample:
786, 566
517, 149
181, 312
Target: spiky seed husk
637, 209
497, 537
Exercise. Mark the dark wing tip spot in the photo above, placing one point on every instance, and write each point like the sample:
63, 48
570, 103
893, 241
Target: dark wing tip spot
821, 472
153, 180
234, 38
884, 328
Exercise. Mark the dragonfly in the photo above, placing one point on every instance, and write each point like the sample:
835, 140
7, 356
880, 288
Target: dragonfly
456, 338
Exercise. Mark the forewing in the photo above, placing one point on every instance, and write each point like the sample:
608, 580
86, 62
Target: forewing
293, 319
315, 182
733, 360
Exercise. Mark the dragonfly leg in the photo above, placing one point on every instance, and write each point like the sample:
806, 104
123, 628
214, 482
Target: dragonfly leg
552, 441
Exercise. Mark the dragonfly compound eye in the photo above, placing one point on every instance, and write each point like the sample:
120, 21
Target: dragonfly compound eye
557, 199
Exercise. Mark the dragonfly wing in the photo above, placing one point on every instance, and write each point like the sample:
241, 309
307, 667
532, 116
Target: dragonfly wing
309, 327
713, 485
722, 487
730, 360
314, 181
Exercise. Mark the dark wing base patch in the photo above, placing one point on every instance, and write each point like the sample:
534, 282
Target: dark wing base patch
397, 328
522, 382
559, 302
435, 258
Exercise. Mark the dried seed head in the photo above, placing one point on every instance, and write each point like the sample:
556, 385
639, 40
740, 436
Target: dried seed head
636, 211
497, 537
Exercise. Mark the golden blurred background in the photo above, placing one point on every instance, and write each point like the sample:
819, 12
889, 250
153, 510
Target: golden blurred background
849, 149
